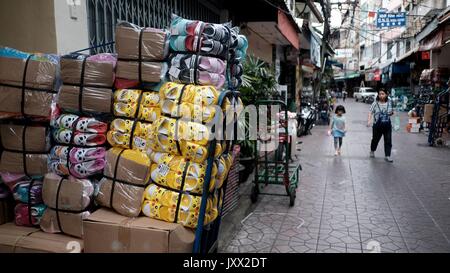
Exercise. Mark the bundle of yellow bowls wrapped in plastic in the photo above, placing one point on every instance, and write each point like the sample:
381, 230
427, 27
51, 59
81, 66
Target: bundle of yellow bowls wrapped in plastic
174, 176
133, 106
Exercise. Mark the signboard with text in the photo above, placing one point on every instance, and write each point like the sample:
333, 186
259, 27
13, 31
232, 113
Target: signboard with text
385, 19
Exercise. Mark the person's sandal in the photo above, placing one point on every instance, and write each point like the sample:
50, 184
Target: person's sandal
389, 159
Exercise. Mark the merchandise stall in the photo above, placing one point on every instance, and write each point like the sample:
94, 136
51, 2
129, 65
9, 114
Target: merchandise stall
135, 146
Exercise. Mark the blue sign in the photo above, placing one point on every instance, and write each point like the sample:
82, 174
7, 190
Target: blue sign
390, 19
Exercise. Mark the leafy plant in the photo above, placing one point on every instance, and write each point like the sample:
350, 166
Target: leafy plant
258, 83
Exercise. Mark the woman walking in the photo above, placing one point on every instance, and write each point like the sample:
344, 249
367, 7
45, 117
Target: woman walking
381, 112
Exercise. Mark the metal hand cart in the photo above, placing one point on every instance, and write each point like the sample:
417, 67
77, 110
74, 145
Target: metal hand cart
274, 166
206, 236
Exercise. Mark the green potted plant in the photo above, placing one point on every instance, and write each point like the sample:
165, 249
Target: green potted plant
258, 83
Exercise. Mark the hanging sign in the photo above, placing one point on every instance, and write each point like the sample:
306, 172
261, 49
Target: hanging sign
390, 20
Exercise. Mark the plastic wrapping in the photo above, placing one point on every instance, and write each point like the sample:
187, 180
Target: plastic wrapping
86, 131
94, 100
81, 154
153, 72
126, 175
93, 76
195, 69
179, 137
197, 36
22, 212
161, 203
77, 161
134, 109
25, 149
69, 202
36, 89
154, 43
189, 101
28, 193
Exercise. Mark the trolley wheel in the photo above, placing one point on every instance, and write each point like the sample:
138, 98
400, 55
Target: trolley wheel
292, 195
254, 194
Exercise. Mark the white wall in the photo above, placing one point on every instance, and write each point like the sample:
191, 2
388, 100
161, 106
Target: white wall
71, 33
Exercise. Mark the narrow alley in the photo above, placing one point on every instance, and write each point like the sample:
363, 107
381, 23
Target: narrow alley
353, 203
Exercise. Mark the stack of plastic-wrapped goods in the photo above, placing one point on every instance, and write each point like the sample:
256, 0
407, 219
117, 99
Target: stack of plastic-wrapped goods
28, 84
79, 126
141, 70
180, 139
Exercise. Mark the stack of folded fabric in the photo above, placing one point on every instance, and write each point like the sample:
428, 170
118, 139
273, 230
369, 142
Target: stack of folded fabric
142, 54
69, 201
27, 83
87, 84
28, 194
200, 51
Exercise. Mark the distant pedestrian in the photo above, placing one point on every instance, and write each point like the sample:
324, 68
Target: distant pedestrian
380, 119
337, 128
344, 95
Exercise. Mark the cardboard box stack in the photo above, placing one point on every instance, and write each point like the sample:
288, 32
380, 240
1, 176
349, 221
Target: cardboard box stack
413, 124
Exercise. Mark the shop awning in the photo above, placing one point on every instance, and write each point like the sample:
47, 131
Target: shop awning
286, 28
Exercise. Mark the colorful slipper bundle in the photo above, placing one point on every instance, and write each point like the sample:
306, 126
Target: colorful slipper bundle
80, 162
193, 102
195, 69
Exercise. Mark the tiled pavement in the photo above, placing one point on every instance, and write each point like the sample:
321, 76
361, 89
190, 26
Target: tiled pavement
352, 203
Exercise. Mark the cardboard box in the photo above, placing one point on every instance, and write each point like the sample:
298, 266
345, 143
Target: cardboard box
18, 239
95, 73
134, 168
107, 231
151, 71
37, 139
428, 112
414, 120
154, 45
40, 74
6, 210
74, 196
94, 100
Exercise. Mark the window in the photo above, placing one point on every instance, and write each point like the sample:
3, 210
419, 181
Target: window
104, 14
408, 46
389, 50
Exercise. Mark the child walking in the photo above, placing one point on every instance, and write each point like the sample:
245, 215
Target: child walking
337, 128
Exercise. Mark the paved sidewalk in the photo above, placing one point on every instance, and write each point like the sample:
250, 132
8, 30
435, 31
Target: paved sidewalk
352, 203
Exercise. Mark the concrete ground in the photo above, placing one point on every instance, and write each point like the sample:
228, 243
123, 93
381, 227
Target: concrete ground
351, 203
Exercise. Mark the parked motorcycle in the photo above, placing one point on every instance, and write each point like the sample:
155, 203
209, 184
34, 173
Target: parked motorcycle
306, 119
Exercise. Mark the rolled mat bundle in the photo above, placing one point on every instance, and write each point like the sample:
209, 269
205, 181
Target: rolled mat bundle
27, 83
141, 54
28, 193
80, 151
25, 149
87, 83
126, 175
135, 110
69, 201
